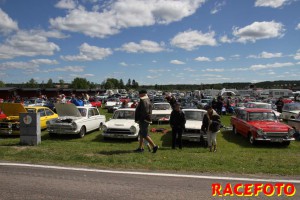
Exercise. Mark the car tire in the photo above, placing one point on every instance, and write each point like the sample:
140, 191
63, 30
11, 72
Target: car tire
82, 132
251, 139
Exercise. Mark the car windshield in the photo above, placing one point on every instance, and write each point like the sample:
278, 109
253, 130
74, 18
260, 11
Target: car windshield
194, 115
259, 116
161, 107
82, 111
124, 114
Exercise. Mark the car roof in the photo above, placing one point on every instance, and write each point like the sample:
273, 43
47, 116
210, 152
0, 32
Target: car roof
191, 109
257, 110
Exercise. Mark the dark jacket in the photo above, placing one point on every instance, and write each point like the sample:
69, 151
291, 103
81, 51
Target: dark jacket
215, 124
177, 119
144, 110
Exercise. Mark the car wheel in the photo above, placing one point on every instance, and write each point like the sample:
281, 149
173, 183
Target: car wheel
82, 132
234, 130
251, 139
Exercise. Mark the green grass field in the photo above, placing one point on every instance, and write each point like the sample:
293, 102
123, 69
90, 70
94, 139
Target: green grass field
235, 154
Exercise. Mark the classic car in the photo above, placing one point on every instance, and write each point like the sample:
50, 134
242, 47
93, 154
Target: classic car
11, 125
35, 102
161, 112
121, 125
75, 120
290, 111
193, 125
2, 115
112, 104
259, 124
96, 103
295, 124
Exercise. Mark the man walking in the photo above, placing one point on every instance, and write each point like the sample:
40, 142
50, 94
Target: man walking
143, 118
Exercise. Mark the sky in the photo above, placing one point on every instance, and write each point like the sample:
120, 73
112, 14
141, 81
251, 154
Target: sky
150, 41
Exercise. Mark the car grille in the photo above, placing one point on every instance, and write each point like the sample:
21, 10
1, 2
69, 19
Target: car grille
60, 127
277, 134
118, 131
194, 131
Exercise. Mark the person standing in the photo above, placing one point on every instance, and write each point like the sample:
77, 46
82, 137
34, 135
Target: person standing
211, 124
279, 105
177, 122
143, 118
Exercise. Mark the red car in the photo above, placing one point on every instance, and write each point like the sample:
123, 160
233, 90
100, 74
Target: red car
96, 103
261, 125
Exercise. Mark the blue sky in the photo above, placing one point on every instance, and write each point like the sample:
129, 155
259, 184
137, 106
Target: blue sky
151, 41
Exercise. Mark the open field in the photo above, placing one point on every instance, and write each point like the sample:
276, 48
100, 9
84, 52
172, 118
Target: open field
235, 154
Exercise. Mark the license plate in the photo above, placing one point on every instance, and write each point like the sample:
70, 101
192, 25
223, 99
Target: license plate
277, 140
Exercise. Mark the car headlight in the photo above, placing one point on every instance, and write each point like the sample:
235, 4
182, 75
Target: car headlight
132, 129
104, 128
260, 132
74, 125
291, 132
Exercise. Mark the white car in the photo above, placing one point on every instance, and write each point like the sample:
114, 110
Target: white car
161, 112
192, 132
290, 111
122, 125
262, 105
75, 120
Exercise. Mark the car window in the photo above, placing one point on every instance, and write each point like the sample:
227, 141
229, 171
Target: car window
49, 112
42, 112
242, 115
194, 115
91, 112
258, 116
82, 111
30, 110
96, 112
124, 114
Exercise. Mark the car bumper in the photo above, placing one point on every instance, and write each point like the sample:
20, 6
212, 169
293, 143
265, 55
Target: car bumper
63, 131
117, 135
275, 139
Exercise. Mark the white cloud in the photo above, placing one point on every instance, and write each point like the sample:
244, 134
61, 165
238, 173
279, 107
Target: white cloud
225, 39
68, 69
192, 39
123, 64
202, 59
189, 69
152, 77
270, 66
297, 55
219, 59
177, 62
265, 54
143, 46
25, 43
213, 70
217, 7
121, 14
44, 62
7, 25
89, 53
298, 27
258, 31
271, 3
30, 66
158, 70
66, 4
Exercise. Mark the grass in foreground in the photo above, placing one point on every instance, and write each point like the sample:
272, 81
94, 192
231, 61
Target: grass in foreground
234, 154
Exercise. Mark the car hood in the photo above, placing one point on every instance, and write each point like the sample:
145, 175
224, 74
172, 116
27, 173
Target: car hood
63, 109
193, 124
12, 109
120, 123
270, 126
159, 112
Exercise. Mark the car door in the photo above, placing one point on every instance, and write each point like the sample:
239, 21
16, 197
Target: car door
49, 115
242, 125
91, 123
43, 117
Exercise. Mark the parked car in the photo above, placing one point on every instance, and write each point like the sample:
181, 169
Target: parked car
261, 105
192, 132
203, 102
290, 111
11, 124
35, 102
161, 112
295, 124
75, 120
121, 125
258, 124
96, 103
112, 104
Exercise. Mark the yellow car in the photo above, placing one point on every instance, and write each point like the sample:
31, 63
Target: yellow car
11, 124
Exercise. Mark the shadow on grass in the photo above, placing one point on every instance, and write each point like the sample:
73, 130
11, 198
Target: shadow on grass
167, 142
100, 138
243, 141
116, 152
